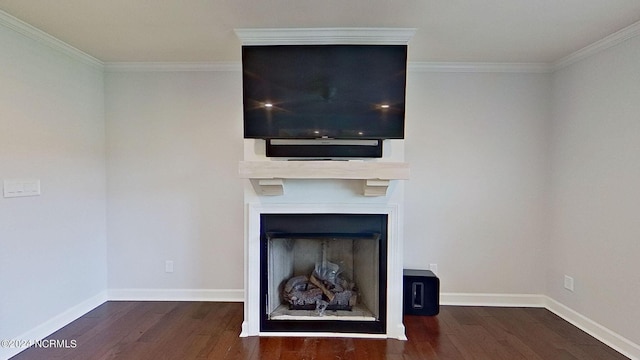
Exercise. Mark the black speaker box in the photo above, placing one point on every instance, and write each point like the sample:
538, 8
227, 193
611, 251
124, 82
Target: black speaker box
421, 292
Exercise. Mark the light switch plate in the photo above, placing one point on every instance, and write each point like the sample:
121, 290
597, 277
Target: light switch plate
21, 187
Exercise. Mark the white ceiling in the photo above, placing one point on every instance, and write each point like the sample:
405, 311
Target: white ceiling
513, 31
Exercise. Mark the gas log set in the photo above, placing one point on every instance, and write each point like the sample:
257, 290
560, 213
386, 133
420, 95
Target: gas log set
324, 289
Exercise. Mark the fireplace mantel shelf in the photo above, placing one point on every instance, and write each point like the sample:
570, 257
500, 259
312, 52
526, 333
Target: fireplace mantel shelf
268, 177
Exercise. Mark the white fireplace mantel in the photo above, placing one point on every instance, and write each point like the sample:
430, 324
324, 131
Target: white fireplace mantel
267, 177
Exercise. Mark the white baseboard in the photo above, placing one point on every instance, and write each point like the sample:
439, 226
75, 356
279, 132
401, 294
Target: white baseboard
501, 300
612, 339
232, 295
606, 336
55, 323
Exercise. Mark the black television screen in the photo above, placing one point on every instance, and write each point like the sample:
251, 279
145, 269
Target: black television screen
324, 91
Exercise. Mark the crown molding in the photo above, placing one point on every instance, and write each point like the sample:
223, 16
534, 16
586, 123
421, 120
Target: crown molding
324, 36
616, 38
172, 66
33, 33
440, 67
479, 67
319, 36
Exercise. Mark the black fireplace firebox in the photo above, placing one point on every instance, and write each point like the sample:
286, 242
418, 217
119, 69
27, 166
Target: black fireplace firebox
323, 273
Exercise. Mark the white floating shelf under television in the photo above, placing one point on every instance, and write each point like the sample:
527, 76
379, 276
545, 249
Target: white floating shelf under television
268, 177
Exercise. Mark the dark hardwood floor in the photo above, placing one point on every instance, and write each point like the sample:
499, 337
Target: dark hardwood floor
208, 330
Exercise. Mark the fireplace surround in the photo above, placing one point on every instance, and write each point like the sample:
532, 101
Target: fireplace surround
389, 320
324, 187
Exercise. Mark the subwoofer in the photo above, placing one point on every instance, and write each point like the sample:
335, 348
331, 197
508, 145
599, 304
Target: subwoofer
421, 292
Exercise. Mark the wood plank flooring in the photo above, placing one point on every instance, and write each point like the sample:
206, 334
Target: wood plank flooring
209, 330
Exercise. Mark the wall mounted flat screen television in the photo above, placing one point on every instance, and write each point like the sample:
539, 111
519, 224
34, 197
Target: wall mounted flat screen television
324, 91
